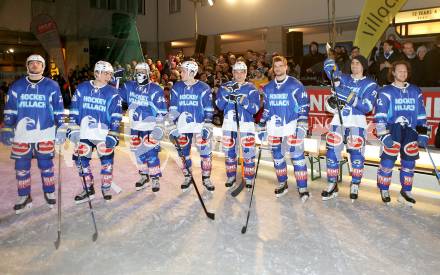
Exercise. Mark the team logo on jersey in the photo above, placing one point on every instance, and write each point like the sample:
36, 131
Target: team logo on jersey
45, 147
183, 140
20, 149
274, 141
135, 141
334, 139
248, 141
83, 149
201, 141
292, 140
392, 151
411, 149
355, 142
103, 150
149, 141
228, 142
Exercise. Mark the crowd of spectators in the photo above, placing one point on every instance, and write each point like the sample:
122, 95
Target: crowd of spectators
216, 70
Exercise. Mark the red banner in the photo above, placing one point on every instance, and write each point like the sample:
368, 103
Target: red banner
319, 119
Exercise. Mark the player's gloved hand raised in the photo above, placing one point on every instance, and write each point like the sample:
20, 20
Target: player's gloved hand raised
387, 140
207, 130
7, 136
111, 141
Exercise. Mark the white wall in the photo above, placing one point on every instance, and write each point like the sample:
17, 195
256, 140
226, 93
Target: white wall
253, 14
257, 45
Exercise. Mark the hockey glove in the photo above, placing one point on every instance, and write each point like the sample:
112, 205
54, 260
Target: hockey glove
73, 133
207, 130
302, 128
60, 134
261, 131
111, 140
423, 138
387, 140
7, 136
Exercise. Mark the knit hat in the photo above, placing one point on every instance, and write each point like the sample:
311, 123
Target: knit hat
363, 62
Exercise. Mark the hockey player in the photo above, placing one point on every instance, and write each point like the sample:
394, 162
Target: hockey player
357, 93
402, 127
190, 116
147, 108
95, 116
32, 116
286, 109
246, 98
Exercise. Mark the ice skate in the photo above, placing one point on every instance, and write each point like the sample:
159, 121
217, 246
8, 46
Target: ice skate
23, 202
185, 186
385, 194
208, 184
281, 190
304, 194
142, 182
50, 199
406, 198
331, 191
354, 191
82, 197
155, 184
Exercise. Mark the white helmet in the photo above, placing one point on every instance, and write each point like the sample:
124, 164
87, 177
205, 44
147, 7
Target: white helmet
142, 66
141, 77
103, 66
35, 57
238, 66
191, 66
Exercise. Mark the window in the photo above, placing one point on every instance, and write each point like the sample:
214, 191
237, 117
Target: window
174, 6
122, 5
103, 4
93, 4
141, 7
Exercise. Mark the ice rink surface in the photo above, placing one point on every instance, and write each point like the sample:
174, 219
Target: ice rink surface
168, 232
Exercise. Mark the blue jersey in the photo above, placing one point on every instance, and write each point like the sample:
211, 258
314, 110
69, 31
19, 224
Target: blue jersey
366, 93
34, 110
193, 103
400, 105
285, 102
96, 110
246, 110
146, 102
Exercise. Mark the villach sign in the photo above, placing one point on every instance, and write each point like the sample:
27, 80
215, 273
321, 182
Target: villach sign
375, 17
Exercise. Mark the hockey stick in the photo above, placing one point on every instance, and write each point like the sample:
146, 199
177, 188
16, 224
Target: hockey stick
437, 174
243, 230
180, 153
58, 241
240, 186
95, 235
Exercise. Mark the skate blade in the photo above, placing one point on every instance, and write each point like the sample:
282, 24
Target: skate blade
304, 198
281, 194
334, 195
141, 187
50, 206
155, 190
85, 200
19, 211
405, 202
184, 190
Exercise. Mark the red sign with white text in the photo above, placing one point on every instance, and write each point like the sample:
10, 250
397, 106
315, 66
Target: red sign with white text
319, 119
